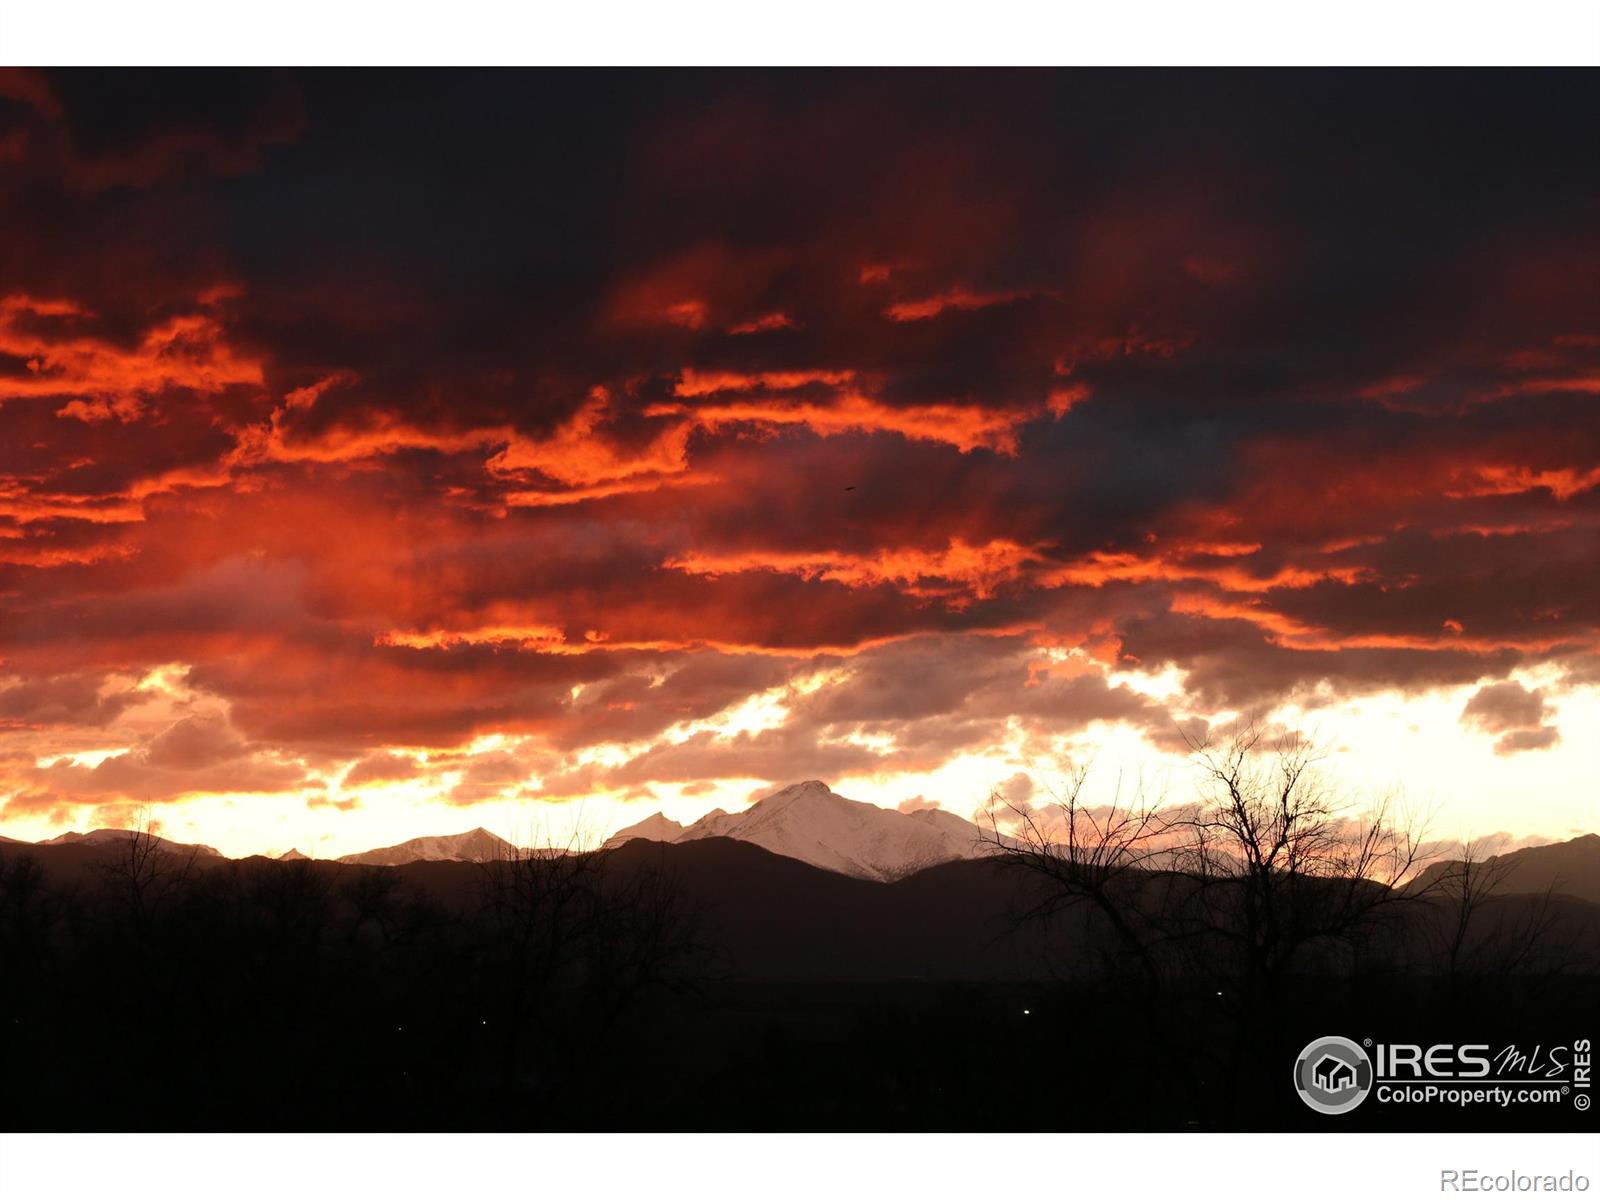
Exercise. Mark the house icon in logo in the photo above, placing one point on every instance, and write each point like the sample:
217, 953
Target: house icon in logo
1334, 1075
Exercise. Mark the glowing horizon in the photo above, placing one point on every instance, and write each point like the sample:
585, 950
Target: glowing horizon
366, 476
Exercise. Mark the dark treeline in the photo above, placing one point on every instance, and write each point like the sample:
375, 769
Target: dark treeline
157, 989
650, 988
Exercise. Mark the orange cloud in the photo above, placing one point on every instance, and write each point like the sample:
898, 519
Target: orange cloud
449, 474
966, 428
1103, 567
1586, 384
1508, 480
706, 383
189, 352
559, 497
959, 573
766, 323
959, 298
1394, 385
579, 454
706, 284
1299, 635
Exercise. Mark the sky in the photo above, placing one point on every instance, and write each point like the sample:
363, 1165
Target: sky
389, 454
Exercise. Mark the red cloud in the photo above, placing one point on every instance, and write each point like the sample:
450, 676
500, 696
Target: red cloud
872, 427
765, 323
959, 299
63, 359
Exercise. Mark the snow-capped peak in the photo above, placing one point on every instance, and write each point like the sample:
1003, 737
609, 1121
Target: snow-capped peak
654, 828
100, 837
815, 824
476, 845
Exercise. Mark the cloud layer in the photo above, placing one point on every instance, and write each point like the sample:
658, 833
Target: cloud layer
555, 435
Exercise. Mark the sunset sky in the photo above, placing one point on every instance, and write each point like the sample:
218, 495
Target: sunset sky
391, 454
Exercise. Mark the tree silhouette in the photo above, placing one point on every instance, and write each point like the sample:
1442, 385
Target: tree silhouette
1265, 873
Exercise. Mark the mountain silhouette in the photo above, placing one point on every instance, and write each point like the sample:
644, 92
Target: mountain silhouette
476, 845
1568, 868
811, 822
110, 837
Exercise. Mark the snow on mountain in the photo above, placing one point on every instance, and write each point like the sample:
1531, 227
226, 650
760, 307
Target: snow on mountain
716, 823
654, 828
476, 845
811, 822
96, 837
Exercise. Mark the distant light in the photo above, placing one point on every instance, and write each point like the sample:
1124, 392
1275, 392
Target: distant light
1027, 1012
1219, 993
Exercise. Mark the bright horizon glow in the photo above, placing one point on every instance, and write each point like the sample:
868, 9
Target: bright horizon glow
544, 499
1462, 798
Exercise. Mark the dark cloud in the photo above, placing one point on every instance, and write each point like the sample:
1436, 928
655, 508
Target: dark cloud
194, 742
390, 411
1519, 740
1498, 707
1017, 790
65, 700
381, 768
1517, 713
195, 755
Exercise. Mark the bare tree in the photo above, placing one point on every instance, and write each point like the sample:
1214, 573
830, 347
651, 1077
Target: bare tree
1276, 864
1474, 935
146, 873
1087, 858
1265, 862
571, 945
1218, 900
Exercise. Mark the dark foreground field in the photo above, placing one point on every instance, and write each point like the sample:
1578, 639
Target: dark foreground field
706, 986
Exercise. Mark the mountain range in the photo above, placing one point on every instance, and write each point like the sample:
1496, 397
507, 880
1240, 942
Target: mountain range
808, 821
109, 837
811, 822
476, 845
772, 916
1569, 868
